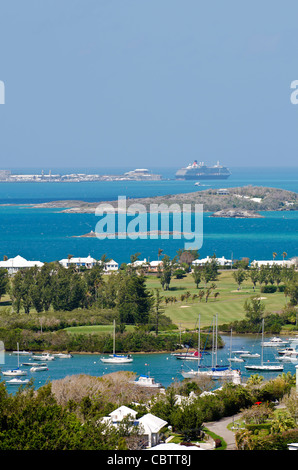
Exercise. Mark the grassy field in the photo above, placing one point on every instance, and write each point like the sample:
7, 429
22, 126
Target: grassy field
228, 305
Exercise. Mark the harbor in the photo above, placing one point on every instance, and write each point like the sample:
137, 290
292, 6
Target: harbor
163, 367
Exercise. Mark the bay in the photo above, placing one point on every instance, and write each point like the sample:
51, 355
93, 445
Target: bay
48, 235
164, 367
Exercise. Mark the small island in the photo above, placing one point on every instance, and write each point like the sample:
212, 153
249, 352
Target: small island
252, 199
237, 214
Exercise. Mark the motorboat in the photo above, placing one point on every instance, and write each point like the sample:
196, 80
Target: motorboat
22, 353
247, 355
17, 381
235, 359
147, 381
189, 355
273, 342
43, 357
34, 364
38, 368
62, 355
240, 351
288, 352
116, 358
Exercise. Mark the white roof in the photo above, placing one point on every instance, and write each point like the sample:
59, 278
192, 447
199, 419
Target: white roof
151, 423
89, 259
174, 447
19, 262
155, 263
121, 412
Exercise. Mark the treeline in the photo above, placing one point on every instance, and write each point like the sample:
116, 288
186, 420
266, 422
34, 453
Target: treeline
66, 289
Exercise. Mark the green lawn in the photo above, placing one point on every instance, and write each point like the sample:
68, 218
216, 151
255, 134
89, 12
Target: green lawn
228, 305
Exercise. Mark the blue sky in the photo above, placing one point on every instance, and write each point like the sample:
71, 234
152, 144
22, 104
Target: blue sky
147, 83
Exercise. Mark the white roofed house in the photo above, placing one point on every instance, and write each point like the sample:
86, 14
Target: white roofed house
13, 265
152, 425
87, 262
219, 261
149, 425
110, 266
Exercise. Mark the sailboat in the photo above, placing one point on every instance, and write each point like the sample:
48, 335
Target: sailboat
214, 372
116, 358
14, 372
262, 366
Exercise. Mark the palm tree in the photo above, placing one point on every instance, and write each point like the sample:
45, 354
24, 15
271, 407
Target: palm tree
159, 253
274, 255
284, 255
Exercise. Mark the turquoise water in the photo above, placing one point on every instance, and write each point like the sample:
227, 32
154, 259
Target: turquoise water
47, 235
163, 367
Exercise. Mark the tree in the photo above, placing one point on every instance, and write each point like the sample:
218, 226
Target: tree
166, 270
254, 276
134, 301
196, 274
158, 310
240, 276
254, 309
4, 282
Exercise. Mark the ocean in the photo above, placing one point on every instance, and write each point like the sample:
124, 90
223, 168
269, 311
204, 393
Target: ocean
49, 235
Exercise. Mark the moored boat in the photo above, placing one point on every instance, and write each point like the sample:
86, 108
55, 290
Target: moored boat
147, 381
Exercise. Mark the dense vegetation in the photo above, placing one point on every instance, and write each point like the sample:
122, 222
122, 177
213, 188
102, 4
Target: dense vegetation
66, 414
42, 306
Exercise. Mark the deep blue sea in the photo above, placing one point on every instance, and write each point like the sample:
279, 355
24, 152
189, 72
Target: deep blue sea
48, 234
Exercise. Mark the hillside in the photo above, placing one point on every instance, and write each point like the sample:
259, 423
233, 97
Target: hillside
251, 198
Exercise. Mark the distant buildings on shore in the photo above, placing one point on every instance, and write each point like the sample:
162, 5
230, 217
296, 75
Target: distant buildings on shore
13, 265
139, 174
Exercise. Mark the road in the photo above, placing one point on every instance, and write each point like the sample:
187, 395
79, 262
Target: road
220, 428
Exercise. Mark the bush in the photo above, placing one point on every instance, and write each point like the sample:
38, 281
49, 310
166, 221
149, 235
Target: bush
268, 289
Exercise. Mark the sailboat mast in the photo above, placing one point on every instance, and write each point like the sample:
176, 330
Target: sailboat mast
114, 338
262, 342
199, 342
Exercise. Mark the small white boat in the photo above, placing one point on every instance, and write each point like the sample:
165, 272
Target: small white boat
273, 342
14, 372
147, 381
288, 352
38, 368
117, 359
235, 359
22, 353
43, 357
247, 355
34, 364
240, 351
17, 381
189, 355
265, 367
62, 355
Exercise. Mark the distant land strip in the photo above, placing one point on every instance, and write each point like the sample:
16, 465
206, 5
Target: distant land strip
247, 198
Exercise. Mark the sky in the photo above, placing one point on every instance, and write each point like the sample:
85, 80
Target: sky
148, 83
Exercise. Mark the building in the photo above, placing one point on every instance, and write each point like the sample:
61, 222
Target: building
13, 265
270, 263
110, 266
219, 261
87, 262
150, 425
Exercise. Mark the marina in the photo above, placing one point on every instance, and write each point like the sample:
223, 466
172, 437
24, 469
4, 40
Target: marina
164, 367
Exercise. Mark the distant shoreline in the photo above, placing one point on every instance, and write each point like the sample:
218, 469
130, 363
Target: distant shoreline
252, 199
